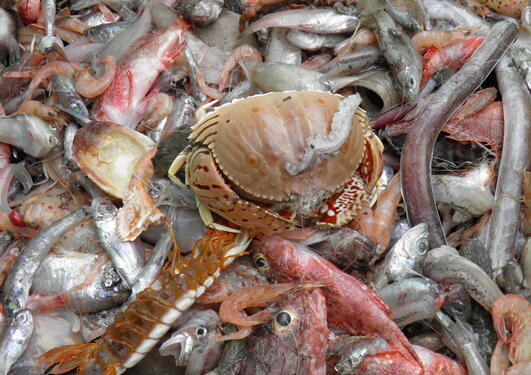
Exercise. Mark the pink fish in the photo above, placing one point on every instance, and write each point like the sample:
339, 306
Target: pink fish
351, 304
125, 100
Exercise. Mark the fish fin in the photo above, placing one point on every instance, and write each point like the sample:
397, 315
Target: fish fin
68, 357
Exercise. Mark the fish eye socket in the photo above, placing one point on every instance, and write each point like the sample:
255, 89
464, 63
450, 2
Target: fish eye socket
411, 81
422, 246
283, 319
261, 262
11, 306
76, 108
201, 331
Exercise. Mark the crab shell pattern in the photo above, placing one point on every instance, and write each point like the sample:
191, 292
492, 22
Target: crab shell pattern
235, 163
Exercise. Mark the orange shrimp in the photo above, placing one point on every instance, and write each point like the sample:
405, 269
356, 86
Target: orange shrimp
33, 107
72, 24
453, 56
158, 108
512, 354
244, 52
88, 86
440, 38
232, 309
138, 329
48, 71
385, 213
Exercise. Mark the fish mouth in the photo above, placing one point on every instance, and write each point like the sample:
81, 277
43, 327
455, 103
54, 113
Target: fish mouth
180, 346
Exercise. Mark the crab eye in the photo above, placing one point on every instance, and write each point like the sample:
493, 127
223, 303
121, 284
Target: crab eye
201, 331
261, 263
283, 321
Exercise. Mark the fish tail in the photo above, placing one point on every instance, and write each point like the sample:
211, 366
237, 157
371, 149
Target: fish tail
68, 357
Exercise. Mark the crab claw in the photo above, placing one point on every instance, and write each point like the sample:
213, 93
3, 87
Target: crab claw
50, 43
179, 345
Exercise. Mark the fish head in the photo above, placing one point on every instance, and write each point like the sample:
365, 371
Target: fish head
408, 84
23, 320
298, 332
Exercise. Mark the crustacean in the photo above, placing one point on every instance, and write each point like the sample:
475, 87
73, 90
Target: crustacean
512, 355
274, 161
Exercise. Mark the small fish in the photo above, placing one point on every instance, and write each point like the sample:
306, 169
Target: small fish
126, 256
311, 41
401, 54
18, 283
105, 32
412, 300
444, 263
200, 12
321, 21
295, 341
276, 76
402, 261
69, 99
14, 339
194, 342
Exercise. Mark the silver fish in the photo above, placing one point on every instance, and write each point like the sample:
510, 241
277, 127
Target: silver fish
445, 263
69, 100
14, 130
353, 354
402, 261
126, 256
412, 300
200, 12
105, 32
20, 279
15, 339
275, 76
401, 55
194, 343
280, 50
354, 62
312, 41
321, 21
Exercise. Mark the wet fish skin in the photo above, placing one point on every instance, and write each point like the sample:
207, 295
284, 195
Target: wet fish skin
194, 343
14, 339
401, 54
126, 256
105, 32
403, 258
70, 100
412, 300
18, 283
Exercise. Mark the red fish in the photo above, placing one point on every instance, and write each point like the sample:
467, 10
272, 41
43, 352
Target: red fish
452, 56
295, 341
125, 100
351, 304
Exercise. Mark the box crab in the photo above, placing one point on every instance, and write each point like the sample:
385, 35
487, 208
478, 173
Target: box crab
271, 162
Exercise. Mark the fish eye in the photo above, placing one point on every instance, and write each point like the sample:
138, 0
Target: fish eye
11, 305
201, 331
76, 108
283, 318
411, 81
459, 308
261, 263
284, 321
422, 245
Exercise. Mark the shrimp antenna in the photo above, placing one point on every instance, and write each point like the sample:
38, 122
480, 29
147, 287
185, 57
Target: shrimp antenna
176, 249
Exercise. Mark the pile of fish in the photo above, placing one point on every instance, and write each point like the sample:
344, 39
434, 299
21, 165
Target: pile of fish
272, 187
